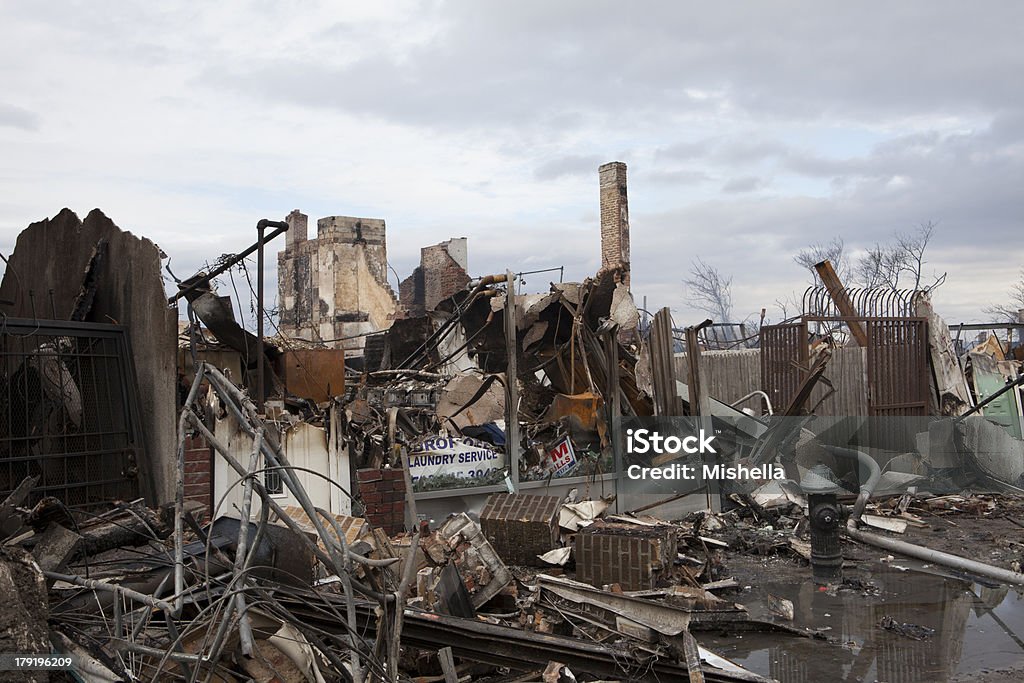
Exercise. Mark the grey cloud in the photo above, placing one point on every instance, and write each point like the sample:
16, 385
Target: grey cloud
744, 184
572, 165
676, 177
838, 60
685, 151
16, 117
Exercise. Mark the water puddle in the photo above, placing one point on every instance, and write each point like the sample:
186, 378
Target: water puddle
974, 627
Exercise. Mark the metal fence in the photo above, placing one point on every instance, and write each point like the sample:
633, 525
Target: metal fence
68, 411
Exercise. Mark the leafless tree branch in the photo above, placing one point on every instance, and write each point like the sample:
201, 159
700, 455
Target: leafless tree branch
710, 290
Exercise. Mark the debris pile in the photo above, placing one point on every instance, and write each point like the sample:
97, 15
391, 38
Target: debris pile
450, 497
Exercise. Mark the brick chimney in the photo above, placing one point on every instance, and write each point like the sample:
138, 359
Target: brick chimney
298, 224
614, 219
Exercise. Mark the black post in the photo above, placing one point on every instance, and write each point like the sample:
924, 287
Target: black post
261, 228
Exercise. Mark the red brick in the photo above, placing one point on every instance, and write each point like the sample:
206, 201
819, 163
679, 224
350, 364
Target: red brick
369, 498
197, 467
197, 489
368, 475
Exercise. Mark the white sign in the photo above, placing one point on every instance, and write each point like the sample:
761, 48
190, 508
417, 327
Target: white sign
458, 456
563, 458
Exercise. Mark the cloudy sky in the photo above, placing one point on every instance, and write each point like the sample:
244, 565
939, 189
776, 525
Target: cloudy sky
750, 130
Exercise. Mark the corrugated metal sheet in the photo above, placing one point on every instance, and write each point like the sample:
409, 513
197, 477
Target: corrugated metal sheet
847, 373
730, 375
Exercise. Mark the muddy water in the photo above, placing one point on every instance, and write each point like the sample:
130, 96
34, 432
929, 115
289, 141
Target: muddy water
975, 628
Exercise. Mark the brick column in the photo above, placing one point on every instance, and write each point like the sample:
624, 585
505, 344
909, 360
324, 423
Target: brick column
382, 492
298, 229
199, 471
614, 218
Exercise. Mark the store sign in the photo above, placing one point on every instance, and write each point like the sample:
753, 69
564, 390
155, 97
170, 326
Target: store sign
458, 456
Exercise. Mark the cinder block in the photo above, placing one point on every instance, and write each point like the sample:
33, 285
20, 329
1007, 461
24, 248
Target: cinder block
635, 557
521, 526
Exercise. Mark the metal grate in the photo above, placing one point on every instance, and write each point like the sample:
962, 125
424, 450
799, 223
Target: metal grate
67, 411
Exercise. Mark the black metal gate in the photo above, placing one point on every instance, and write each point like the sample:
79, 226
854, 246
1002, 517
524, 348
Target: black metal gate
68, 411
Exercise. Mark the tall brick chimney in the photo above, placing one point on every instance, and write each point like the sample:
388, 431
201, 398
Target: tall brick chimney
614, 219
298, 226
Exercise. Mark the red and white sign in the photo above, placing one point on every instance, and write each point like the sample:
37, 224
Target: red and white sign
563, 458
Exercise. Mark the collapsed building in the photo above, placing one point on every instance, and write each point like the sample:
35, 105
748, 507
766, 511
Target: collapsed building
434, 485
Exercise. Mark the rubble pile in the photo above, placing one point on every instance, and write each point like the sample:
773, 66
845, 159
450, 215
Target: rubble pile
449, 499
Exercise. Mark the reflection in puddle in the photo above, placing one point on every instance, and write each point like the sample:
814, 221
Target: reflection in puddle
974, 626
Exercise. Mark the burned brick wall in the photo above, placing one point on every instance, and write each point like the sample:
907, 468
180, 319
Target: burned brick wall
441, 273
335, 286
614, 219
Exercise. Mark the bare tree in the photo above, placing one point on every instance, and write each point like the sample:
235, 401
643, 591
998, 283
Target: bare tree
710, 291
910, 248
879, 267
900, 262
834, 252
1010, 311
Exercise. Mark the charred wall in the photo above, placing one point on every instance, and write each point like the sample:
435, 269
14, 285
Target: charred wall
43, 280
335, 285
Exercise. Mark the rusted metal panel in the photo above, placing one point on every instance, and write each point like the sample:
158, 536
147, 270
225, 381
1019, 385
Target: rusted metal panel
316, 374
897, 367
784, 357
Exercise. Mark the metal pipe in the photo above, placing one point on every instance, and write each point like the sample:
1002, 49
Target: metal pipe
868, 487
756, 392
110, 588
182, 291
909, 549
244, 625
261, 228
937, 557
179, 493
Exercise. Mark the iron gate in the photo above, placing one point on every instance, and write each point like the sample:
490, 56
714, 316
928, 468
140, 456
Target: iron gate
898, 383
68, 411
